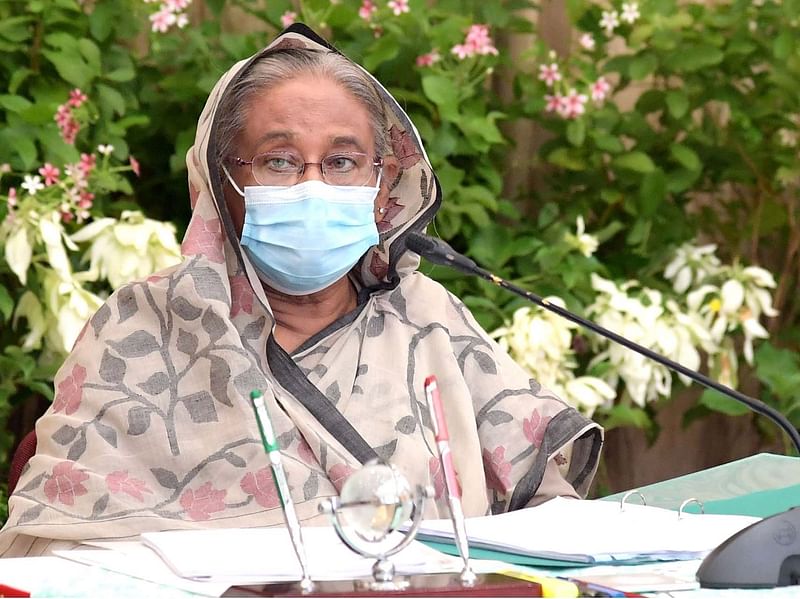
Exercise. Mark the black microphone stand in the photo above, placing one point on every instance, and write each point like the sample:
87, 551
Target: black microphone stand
439, 252
761, 555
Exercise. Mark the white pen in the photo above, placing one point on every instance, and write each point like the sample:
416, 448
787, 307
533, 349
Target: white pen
289, 515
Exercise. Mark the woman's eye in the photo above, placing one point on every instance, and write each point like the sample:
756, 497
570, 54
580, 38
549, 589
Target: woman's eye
340, 163
280, 163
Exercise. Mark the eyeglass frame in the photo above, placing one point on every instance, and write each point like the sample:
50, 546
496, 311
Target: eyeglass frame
377, 162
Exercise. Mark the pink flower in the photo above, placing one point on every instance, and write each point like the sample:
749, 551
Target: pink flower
288, 18
497, 469
135, 167
587, 42
65, 483
163, 19
398, 7
574, 104
261, 486
67, 124
86, 200
437, 475
367, 9
534, 428
87, 163
66, 216
201, 503
338, 474
177, 5
50, 173
549, 73
429, 59
120, 482
12, 196
204, 237
70, 390
77, 98
553, 103
600, 89
477, 42
241, 295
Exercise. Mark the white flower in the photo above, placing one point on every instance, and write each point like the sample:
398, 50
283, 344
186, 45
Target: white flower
589, 393
630, 12
587, 42
30, 308
32, 184
609, 21
19, 250
131, 248
68, 307
105, 149
586, 244
691, 264
788, 137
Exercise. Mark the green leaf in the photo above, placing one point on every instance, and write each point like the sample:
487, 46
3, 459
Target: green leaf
783, 45
6, 303
622, 415
635, 161
779, 369
576, 132
443, 92
693, 57
721, 403
14, 103
607, 142
121, 74
641, 66
17, 78
686, 157
15, 29
384, 50
71, 68
652, 192
91, 53
566, 158
111, 98
677, 103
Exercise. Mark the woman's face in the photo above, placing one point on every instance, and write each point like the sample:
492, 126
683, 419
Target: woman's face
312, 117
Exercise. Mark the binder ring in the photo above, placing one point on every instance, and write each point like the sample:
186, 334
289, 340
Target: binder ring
690, 501
628, 494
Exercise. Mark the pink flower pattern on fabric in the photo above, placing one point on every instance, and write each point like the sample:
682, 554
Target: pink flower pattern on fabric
338, 474
378, 267
241, 295
497, 469
261, 486
393, 208
70, 391
305, 453
535, 427
120, 482
201, 503
204, 238
65, 484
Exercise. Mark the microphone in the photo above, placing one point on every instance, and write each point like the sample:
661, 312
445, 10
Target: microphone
732, 563
439, 252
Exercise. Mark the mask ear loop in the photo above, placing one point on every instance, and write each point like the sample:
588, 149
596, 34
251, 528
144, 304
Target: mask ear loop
233, 183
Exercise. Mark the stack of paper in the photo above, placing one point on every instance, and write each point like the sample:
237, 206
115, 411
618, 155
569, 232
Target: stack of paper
251, 555
592, 532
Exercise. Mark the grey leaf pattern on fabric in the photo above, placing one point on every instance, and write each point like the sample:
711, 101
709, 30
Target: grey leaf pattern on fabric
208, 283
220, 377
100, 505
254, 329
136, 345
34, 482
201, 407
386, 451
234, 459
138, 420
333, 393
78, 448
213, 325
157, 383
31, 513
398, 302
106, 432
375, 325
185, 310
166, 478
112, 369
311, 486
250, 379
65, 435
187, 342
285, 439
486, 363
496, 417
100, 319
126, 304
406, 425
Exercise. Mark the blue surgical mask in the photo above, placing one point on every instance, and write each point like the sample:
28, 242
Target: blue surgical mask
303, 238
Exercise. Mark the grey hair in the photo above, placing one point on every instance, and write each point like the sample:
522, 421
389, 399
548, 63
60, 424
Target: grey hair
283, 64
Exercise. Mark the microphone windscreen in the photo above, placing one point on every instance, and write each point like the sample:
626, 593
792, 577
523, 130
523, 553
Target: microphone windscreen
420, 244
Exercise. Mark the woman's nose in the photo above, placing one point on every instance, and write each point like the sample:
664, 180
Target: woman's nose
311, 171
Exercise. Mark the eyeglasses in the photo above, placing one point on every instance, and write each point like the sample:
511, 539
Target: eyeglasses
286, 168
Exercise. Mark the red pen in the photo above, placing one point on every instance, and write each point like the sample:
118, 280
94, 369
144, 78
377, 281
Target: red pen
451, 485
7, 591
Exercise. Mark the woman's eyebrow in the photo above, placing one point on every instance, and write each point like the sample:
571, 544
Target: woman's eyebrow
273, 135
347, 140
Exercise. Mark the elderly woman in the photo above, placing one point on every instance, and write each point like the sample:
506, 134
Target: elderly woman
305, 178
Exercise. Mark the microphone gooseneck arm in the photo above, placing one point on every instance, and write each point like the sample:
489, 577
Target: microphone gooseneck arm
438, 252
